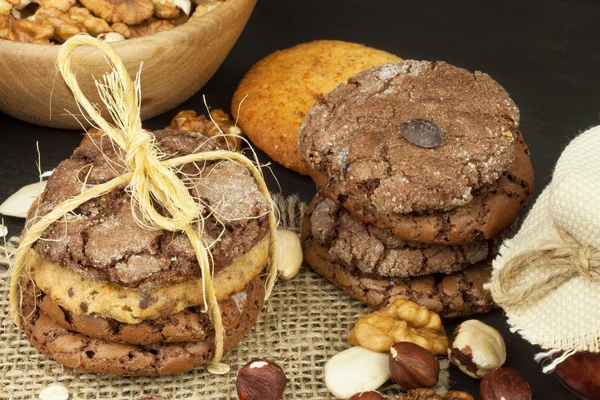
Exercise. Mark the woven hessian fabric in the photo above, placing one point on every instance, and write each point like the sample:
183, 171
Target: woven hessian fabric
305, 322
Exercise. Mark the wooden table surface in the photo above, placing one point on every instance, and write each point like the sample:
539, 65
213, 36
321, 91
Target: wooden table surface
545, 53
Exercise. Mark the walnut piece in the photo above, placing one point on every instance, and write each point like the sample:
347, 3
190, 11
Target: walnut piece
165, 10
24, 30
401, 321
94, 26
64, 26
149, 27
62, 5
5, 7
455, 395
203, 7
130, 12
430, 394
13, 7
188, 120
420, 394
170, 9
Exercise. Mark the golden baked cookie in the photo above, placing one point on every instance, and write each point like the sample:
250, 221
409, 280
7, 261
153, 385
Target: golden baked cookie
273, 98
83, 296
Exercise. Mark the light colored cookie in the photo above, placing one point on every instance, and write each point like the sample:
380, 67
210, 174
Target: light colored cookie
279, 90
83, 296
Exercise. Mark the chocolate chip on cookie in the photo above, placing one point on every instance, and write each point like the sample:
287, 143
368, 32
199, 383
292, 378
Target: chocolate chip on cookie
422, 133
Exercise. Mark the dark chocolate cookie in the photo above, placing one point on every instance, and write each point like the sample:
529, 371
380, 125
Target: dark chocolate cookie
492, 210
102, 239
376, 251
410, 136
190, 325
455, 295
100, 356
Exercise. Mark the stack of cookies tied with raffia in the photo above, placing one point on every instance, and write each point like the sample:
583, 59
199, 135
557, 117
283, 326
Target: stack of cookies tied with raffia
148, 253
422, 171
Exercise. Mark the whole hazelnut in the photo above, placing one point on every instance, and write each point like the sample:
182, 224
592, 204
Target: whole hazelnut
412, 366
504, 384
371, 395
477, 349
260, 380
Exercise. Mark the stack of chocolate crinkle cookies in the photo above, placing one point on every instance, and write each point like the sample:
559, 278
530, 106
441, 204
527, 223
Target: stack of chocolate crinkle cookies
422, 171
110, 295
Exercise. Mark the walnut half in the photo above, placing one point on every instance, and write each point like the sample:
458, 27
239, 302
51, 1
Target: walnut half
130, 12
188, 120
430, 394
24, 30
401, 321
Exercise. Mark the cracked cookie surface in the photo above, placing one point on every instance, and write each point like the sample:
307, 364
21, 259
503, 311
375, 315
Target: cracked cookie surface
353, 145
102, 239
78, 351
376, 251
457, 294
492, 210
276, 94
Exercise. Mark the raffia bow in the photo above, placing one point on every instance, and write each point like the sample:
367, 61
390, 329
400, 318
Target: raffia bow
559, 264
150, 179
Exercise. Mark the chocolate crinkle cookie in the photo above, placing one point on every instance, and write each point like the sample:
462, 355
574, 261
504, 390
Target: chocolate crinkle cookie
422, 171
356, 136
109, 294
104, 240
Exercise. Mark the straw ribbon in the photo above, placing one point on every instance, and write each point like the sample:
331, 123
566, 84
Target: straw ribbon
151, 179
558, 265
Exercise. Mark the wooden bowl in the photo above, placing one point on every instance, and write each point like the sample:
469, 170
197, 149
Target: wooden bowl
176, 64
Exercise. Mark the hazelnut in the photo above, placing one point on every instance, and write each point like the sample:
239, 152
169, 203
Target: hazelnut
504, 384
260, 380
412, 366
477, 349
371, 395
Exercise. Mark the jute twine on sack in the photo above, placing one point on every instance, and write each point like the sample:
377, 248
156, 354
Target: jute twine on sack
305, 322
547, 277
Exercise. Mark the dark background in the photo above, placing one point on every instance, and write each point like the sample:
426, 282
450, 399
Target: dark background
545, 53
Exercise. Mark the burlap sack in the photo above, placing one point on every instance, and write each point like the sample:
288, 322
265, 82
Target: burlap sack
547, 277
305, 323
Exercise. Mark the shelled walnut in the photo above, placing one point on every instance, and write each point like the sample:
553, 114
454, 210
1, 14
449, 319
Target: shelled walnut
430, 394
23, 30
55, 21
401, 321
225, 131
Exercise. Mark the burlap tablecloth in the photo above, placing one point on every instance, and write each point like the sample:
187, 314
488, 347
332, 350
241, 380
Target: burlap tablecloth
305, 322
